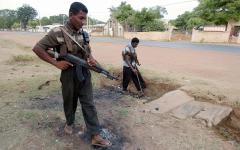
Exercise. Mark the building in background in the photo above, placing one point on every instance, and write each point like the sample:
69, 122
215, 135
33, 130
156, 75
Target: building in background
47, 28
113, 28
218, 34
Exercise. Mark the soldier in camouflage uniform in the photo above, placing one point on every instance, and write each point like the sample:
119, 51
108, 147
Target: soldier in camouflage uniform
76, 80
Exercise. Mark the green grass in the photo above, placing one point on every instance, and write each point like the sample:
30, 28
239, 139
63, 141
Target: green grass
25, 88
123, 112
15, 93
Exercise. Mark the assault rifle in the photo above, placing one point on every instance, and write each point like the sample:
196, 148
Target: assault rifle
78, 61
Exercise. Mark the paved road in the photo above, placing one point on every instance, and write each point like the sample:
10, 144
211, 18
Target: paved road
186, 45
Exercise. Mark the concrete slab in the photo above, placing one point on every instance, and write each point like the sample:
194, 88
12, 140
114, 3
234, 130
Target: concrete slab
188, 110
168, 102
213, 114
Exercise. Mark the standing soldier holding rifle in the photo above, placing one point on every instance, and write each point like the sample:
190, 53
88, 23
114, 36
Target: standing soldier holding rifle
71, 40
130, 70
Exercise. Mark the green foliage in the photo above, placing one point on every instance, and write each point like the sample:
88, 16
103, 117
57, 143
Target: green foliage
16, 25
33, 23
148, 19
124, 14
218, 12
156, 25
45, 21
7, 18
26, 13
195, 22
61, 19
93, 21
181, 21
158, 11
25, 16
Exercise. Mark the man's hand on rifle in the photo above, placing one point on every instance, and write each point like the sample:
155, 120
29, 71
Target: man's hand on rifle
63, 65
91, 61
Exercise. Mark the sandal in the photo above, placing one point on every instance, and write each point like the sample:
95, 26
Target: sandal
97, 140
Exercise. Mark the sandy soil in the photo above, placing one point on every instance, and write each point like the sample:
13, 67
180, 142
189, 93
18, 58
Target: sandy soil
34, 123
218, 69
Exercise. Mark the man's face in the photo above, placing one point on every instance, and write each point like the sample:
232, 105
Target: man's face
134, 44
79, 19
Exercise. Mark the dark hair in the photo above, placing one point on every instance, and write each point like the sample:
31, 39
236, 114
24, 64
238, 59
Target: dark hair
135, 40
76, 7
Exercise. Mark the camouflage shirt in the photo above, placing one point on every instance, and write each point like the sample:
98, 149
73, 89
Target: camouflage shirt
57, 40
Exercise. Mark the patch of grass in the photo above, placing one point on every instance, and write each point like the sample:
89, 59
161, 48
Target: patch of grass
123, 113
207, 93
26, 115
12, 44
236, 104
139, 121
21, 59
25, 88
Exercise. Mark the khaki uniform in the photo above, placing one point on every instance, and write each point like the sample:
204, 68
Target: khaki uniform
76, 80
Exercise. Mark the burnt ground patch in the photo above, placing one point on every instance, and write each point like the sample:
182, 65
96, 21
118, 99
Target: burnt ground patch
110, 129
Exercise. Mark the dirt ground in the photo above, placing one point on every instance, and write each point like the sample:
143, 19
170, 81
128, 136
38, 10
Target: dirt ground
32, 118
201, 71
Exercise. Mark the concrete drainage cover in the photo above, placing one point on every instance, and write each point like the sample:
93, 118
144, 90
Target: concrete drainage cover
214, 114
167, 102
187, 110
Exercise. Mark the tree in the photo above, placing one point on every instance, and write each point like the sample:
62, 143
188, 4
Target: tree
156, 25
182, 20
7, 18
214, 12
195, 22
219, 11
16, 25
148, 19
124, 14
33, 23
158, 11
26, 13
94, 21
45, 21
61, 18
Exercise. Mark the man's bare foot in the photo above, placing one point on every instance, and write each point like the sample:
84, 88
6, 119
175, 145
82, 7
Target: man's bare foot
68, 129
97, 140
